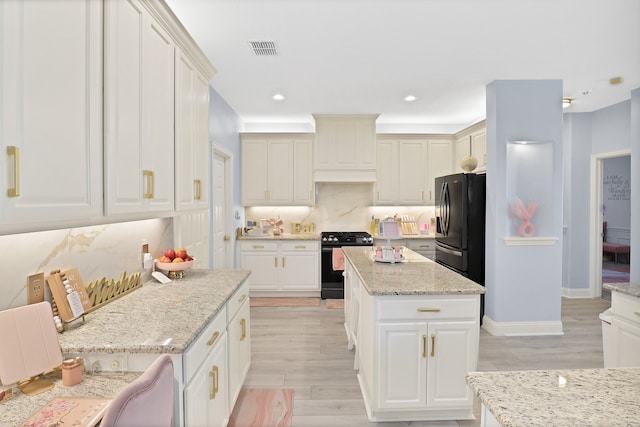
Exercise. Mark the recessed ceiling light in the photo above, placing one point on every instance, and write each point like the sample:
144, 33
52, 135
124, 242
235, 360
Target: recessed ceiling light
410, 98
278, 97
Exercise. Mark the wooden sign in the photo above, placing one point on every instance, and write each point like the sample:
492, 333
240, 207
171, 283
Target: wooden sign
56, 282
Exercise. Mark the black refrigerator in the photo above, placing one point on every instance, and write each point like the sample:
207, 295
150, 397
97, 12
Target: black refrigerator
460, 225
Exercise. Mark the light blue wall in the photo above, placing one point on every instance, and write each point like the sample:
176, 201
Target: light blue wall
223, 131
523, 283
635, 183
611, 128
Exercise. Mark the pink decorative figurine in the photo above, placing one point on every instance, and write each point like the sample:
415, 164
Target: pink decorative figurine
526, 229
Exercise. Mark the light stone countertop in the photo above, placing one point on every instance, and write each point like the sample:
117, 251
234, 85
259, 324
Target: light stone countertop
19, 407
632, 289
591, 397
157, 318
284, 236
417, 275
410, 236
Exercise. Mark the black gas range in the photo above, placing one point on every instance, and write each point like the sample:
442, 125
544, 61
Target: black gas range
332, 281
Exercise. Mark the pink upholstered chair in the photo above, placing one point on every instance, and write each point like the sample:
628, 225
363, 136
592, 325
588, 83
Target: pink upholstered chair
147, 401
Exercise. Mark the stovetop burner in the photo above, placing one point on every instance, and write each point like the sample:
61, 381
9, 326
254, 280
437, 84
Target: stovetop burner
346, 238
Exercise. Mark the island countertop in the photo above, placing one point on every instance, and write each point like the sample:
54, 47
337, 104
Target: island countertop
631, 289
157, 318
590, 397
416, 275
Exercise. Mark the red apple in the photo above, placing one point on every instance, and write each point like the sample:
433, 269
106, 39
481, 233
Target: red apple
181, 253
170, 253
188, 258
164, 259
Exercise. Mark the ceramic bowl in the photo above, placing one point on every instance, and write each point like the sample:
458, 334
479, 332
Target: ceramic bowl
174, 266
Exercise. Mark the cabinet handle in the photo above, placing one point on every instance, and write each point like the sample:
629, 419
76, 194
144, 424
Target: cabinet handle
283, 262
433, 345
637, 313
275, 261
198, 195
300, 246
147, 175
424, 346
422, 195
429, 310
258, 246
423, 246
429, 194
14, 151
213, 338
214, 382
243, 324
242, 297
378, 195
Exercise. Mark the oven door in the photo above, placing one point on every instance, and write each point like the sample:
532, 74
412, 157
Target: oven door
332, 281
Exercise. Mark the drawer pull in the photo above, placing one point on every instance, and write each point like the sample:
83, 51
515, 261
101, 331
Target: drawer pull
258, 246
433, 345
300, 246
283, 265
213, 373
14, 151
424, 346
637, 313
429, 310
213, 338
242, 297
243, 324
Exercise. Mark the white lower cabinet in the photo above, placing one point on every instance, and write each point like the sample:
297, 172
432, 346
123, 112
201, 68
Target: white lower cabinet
414, 354
282, 267
425, 247
625, 330
239, 342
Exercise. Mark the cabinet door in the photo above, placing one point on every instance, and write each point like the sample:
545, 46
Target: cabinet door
438, 164
386, 173
626, 343
345, 143
191, 129
412, 172
451, 354
479, 147
264, 269
239, 351
255, 172
303, 192
300, 271
206, 396
402, 365
50, 110
280, 171
462, 149
138, 111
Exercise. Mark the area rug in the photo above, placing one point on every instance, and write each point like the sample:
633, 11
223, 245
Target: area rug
263, 407
284, 302
335, 303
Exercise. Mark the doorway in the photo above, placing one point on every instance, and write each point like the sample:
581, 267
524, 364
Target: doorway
608, 189
222, 202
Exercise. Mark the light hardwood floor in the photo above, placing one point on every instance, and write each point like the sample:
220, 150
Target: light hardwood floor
305, 348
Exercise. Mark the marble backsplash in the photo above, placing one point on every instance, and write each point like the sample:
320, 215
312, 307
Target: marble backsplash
340, 207
96, 251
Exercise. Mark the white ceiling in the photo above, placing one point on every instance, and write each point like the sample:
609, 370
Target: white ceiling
365, 56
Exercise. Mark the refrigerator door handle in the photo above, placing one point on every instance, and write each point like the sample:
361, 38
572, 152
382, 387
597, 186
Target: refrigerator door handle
448, 251
444, 208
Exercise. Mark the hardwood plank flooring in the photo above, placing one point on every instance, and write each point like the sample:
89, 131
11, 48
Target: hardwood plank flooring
305, 348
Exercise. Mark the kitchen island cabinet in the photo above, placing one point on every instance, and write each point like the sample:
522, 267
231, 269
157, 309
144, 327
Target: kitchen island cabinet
625, 324
193, 320
417, 337
561, 398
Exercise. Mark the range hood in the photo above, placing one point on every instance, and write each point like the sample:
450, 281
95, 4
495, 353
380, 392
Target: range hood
343, 175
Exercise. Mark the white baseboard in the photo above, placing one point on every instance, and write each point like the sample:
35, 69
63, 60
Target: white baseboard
577, 293
511, 329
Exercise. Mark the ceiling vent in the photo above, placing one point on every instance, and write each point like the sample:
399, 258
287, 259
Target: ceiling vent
264, 48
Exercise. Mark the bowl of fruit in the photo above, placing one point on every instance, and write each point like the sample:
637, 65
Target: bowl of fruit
175, 262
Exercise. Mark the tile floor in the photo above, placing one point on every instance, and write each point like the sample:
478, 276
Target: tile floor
305, 348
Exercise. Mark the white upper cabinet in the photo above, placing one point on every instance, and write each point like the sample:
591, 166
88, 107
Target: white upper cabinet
345, 147
407, 166
50, 112
192, 135
276, 170
472, 140
139, 111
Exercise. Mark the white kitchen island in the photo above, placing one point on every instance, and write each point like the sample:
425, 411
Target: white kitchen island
415, 327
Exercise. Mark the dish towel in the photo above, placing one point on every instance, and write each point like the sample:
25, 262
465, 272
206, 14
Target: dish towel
337, 259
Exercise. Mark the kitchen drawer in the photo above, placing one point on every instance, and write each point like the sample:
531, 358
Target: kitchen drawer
398, 308
421, 245
300, 246
197, 352
259, 246
236, 300
625, 306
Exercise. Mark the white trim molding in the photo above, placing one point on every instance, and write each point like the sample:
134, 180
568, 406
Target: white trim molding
515, 329
530, 241
577, 293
